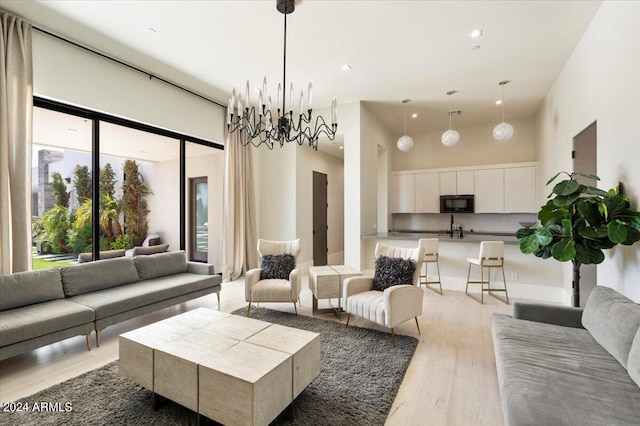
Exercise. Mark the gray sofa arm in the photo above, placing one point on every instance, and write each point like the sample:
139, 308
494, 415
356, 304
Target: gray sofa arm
200, 268
551, 314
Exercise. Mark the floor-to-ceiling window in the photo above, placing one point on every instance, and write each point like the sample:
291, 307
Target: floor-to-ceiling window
61, 187
135, 174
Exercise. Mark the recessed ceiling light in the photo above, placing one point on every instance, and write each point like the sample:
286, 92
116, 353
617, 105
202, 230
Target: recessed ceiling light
499, 102
414, 115
341, 147
153, 30
475, 33
73, 130
476, 47
346, 67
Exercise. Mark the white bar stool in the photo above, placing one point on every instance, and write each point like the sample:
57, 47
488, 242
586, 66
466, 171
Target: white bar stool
431, 248
491, 256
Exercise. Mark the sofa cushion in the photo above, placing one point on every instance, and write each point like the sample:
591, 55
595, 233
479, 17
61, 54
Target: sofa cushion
392, 271
553, 375
143, 251
29, 322
98, 275
115, 300
633, 364
277, 266
161, 264
612, 320
27, 288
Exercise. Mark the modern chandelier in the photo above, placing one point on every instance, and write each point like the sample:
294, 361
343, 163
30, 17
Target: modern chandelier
405, 143
260, 123
503, 131
451, 137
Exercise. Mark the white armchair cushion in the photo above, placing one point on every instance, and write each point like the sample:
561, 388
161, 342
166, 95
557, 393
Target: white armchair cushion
273, 290
368, 305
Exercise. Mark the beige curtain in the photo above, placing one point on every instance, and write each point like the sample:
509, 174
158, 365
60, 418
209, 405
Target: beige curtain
16, 116
239, 212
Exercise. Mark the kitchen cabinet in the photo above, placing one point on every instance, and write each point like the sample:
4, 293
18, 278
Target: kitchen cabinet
520, 190
465, 182
427, 192
489, 186
403, 193
457, 182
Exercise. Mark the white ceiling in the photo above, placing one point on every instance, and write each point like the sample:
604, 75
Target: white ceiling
398, 50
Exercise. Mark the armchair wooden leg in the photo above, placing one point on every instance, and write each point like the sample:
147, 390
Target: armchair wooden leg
348, 318
295, 307
218, 294
393, 337
418, 325
98, 338
88, 336
248, 308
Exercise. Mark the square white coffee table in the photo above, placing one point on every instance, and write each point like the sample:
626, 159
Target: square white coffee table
325, 282
228, 368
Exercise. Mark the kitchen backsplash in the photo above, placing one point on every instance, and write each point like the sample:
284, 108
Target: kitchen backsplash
478, 222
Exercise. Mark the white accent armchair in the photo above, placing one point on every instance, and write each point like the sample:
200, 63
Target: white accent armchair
273, 290
395, 304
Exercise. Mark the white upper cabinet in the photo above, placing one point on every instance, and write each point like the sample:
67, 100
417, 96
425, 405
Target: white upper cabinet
520, 190
403, 193
499, 188
448, 183
427, 192
489, 191
465, 182
457, 183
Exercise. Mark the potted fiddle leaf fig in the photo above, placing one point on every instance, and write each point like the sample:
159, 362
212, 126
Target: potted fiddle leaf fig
578, 223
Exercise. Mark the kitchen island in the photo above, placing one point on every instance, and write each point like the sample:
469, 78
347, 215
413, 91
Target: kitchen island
528, 277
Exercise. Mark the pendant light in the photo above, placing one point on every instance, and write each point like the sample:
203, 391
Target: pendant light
405, 143
503, 131
450, 137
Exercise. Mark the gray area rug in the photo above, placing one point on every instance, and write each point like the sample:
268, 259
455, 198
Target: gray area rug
359, 378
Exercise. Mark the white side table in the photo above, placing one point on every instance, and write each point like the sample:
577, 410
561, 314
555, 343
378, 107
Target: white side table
325, 282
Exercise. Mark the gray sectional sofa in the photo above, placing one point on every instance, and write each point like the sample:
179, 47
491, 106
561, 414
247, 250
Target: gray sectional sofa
570, 366
41, 307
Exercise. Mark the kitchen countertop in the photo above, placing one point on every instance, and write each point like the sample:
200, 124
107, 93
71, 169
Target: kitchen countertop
468, 237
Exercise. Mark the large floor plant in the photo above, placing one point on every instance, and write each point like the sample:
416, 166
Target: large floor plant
578, 223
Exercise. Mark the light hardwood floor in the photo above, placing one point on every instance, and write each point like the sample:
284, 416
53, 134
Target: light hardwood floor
451, 379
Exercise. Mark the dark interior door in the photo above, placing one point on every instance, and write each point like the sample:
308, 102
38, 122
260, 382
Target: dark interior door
320, 228
585, 160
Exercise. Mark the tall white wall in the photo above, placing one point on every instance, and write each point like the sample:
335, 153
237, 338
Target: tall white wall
375, 144
476, 147
600, 81
72, 75
276, 199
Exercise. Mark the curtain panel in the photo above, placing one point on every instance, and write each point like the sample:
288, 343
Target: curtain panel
16, 129
239, 250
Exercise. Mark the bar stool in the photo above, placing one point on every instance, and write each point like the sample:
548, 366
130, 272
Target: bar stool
491, 256
431, 254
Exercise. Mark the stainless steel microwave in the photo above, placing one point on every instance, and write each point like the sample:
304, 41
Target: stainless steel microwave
456, 204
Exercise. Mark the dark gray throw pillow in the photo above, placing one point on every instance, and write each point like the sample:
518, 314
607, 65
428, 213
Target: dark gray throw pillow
277, 266
392, 271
